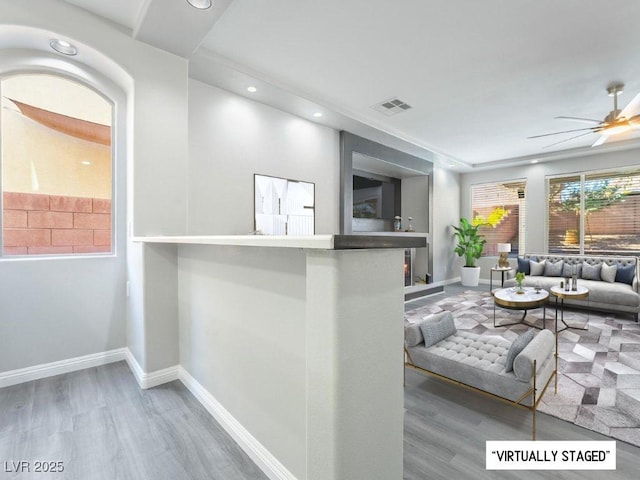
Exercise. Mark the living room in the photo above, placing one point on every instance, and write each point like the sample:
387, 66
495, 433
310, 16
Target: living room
204, 99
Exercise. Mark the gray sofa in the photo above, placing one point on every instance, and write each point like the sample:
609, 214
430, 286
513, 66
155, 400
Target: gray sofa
619, 295
478, 361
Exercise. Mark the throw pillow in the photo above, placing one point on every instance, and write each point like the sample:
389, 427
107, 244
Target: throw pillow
537, 268
553, 269
433, 332
523, 266
516, 347
569, 269
591, 272
608, 272
625, 274
412, 331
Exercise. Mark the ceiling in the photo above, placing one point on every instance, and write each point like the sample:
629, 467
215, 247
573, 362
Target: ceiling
480, 77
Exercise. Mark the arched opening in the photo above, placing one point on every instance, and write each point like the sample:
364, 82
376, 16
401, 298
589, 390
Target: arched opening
81, 306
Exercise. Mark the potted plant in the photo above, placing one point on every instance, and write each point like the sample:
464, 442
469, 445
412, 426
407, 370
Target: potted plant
470, 246
519, 280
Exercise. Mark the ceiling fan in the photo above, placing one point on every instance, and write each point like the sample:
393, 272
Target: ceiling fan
615, 123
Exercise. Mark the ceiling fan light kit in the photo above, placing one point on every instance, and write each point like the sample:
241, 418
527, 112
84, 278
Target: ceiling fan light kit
616, 122
200, 4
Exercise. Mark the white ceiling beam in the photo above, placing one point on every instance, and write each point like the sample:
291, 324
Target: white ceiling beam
176, 26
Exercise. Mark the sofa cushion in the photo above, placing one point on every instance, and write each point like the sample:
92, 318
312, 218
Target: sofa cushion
433, 332
608, 272
625, 274
553, 269
618, 294
412, 334
523, 266
569, 269
591, 272
516, 347
537, 268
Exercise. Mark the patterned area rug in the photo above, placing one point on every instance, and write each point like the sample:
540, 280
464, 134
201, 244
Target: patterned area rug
598, 368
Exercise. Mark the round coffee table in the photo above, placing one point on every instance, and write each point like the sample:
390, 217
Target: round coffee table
531, 298
560, 293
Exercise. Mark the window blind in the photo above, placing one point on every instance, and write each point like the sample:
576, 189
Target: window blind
500, 209
595, 213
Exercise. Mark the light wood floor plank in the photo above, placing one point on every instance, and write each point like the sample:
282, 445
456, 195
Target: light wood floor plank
452, 445
104, 427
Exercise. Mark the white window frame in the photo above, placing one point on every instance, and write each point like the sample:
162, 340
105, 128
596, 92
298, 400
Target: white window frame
114, 169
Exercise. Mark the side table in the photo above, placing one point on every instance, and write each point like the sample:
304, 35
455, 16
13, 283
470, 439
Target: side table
560, 293
502, 270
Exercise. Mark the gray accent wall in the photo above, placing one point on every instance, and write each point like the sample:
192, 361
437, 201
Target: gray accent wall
350, 144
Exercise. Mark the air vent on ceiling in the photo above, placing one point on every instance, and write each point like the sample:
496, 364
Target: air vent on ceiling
391, 106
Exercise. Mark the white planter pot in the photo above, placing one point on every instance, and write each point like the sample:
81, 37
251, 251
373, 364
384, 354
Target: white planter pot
470, 276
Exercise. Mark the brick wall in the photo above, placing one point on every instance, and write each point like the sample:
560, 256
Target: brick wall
54, 224
505, 232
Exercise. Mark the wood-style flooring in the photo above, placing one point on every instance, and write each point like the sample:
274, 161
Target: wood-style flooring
446, 427
102, 426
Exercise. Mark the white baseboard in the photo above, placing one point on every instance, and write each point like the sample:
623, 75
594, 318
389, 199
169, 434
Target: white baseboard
153, 379
252, 447
36, 372
444, 283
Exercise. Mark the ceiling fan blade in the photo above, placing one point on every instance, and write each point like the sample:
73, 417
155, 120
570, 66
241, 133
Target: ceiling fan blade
632, 108
635, 121
579, 119
603, 138
565, 131
567, 139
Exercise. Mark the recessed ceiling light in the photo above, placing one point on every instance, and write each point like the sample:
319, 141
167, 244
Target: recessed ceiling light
200, 4
534, 161
317, 114
62, 46
252, 89
85, 162
451, 165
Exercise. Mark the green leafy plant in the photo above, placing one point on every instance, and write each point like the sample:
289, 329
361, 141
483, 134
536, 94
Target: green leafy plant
494, 218
470, 242
519, 278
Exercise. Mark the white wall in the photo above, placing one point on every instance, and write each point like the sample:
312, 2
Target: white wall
55, 309
152, 137
446, 212
242, 337
231, 138
536, 199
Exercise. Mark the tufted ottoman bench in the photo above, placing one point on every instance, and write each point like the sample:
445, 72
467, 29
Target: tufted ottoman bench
480, 361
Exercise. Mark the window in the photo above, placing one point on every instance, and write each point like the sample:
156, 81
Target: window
500, 209
594, 213
56, 167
